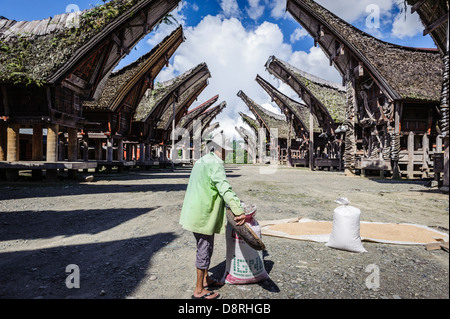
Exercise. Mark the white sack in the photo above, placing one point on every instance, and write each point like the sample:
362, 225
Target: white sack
244, 264
345, 233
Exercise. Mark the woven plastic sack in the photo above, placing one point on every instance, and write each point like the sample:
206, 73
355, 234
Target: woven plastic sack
345, 233
244, 265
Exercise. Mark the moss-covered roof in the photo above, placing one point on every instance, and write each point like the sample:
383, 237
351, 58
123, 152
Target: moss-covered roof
248, 136
331, 95
194, 114
212, 113
289, 106
266, 118
119, 82
254, 125
33, 52
185, 100
407, 73
163, 92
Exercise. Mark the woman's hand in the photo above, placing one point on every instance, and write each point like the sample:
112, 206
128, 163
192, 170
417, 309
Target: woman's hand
240, 220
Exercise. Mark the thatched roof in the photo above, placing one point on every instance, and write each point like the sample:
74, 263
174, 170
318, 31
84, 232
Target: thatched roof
302, 86
194, 114
208, 130
246, 135
434, 16
205, 118
267, 119
289, 106
254, 125
184, 101
155, 102
209, 115
404, 73
122, 81
45, 51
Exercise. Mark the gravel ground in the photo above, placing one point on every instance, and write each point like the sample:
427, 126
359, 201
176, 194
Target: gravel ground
122, 233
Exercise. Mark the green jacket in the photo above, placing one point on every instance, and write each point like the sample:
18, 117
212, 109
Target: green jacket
207, 192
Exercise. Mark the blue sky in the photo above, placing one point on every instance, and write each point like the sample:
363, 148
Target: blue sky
236, 37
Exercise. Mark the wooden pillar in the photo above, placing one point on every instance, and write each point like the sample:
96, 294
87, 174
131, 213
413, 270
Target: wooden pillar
289, 141
148, 151
12, 154
52, 149
3, 142
141, 152
311, 137
86, 147
395, 167
109, 149
98, 149
425, 154
13, 143
37, 147
52, 143
120, 150
410, 169
72, 150
446, 166
129, 148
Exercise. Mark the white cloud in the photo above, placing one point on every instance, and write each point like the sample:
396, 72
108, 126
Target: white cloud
255, 11
230, 8
406, 25
316, 63
234, 57
298, 34
155, 37
278, 9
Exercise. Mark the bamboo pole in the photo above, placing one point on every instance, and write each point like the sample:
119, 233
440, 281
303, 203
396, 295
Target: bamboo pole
52, 142
3, 142
12, 154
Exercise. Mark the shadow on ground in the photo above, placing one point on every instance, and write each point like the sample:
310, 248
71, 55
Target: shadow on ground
107, 270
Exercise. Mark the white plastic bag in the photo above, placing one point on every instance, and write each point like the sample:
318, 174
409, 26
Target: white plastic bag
244, 265
345, 233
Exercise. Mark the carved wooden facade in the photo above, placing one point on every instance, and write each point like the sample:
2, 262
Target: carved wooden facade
325, 104
50, 67
392, 94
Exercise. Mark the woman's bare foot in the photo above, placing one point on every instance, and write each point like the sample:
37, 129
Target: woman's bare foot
209, 282
205, 294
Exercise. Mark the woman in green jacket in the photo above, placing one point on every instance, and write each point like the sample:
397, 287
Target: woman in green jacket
203, 210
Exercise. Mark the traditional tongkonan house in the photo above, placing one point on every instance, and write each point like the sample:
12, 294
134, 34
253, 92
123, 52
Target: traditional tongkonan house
48, 68
320, 94
110, 117
435, 18
392, 95
275, 127
154, 117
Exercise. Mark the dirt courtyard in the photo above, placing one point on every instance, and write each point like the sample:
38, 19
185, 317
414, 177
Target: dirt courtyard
121, 233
